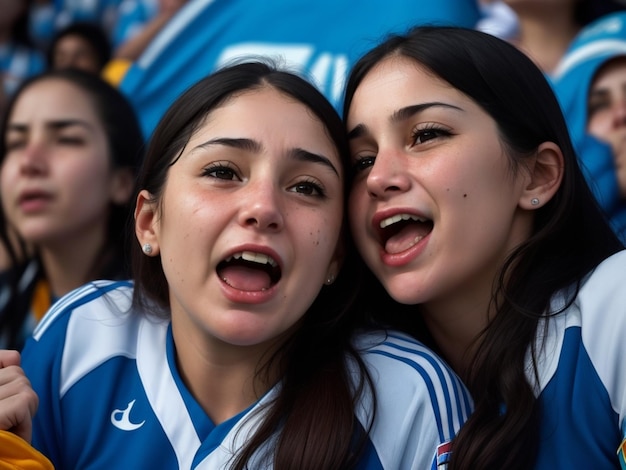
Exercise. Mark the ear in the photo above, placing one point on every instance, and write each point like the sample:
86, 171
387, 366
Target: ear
546, 174
122, 185
335, 264
146, 221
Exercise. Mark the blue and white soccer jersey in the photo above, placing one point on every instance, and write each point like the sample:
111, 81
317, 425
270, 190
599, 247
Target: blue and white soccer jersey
582, 373
111, 396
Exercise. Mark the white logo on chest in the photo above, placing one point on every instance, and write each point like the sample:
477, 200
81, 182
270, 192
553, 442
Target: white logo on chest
121, 419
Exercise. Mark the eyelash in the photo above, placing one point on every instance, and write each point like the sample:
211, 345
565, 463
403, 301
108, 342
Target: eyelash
418, 133
308, 182
220, 167
436, 130
226, 168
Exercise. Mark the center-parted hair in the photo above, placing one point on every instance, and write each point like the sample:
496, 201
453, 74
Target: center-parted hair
569, 238
314, 412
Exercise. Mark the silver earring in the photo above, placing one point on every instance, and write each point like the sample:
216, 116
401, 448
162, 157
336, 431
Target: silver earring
147, 248
330, 279
534, 201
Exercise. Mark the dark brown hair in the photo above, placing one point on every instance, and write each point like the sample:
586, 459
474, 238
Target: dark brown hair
503, 430
312, 417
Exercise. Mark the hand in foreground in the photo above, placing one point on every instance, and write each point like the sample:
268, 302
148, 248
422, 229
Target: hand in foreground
18, 401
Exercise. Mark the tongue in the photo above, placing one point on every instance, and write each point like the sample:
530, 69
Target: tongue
244, 278
406, 238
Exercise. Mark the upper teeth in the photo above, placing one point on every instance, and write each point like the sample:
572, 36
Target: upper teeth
254, 257
397, 218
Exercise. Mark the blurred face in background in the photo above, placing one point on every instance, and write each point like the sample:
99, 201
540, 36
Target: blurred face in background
606, 113
75, 51
57, 179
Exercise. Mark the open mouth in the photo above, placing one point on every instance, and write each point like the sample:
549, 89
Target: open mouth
249, 271
402, 231
33, 196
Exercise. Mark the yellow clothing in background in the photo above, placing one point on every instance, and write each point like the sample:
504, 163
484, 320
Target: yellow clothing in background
17, 454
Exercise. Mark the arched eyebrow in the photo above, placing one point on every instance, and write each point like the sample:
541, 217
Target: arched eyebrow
253, 146
402, 114
407, 112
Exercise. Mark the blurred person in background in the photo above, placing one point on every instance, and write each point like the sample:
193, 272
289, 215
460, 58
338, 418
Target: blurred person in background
138, 22
48, 17
545, 28
19, 58
590, 83
81, 45
70, 148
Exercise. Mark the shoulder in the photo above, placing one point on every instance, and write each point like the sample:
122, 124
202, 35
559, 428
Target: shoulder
601, 304
603, 293
394, 355
85, 329
420, 402
96, 300
591, 329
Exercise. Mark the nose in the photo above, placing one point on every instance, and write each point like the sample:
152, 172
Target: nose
261, 208
388, 175
619, 111
33, 159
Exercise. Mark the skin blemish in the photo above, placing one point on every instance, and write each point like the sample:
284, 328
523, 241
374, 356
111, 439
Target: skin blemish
464, 195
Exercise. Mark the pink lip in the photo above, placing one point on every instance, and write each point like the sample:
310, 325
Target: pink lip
32, 201
406, 256
251, 297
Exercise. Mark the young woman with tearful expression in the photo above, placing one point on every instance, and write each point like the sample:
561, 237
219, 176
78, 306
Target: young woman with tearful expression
236, 345
485, 242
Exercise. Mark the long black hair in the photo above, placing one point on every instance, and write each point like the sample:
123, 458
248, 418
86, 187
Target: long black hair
569, 238
314, 411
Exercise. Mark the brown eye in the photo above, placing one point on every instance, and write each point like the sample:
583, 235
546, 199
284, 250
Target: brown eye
221, 171
421, 136
308, 188
363, 163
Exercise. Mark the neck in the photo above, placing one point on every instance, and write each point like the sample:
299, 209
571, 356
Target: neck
456, 327
223, 378
68, 263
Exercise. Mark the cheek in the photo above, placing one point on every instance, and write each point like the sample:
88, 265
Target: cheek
320, 232
90, 162
6, 175
600, 125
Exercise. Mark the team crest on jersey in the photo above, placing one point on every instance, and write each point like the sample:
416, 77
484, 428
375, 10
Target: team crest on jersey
121, 419
443, 454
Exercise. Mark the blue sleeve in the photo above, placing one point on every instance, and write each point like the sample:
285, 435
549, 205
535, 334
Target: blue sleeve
132, 16
41, 361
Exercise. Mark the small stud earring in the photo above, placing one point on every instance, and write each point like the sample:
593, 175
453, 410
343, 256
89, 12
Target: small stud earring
330, 279
147, 248
534, 201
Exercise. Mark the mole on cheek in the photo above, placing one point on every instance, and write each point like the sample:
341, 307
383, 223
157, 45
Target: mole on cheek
464, 195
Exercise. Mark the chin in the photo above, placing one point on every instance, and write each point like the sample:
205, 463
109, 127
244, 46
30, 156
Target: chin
407, 295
